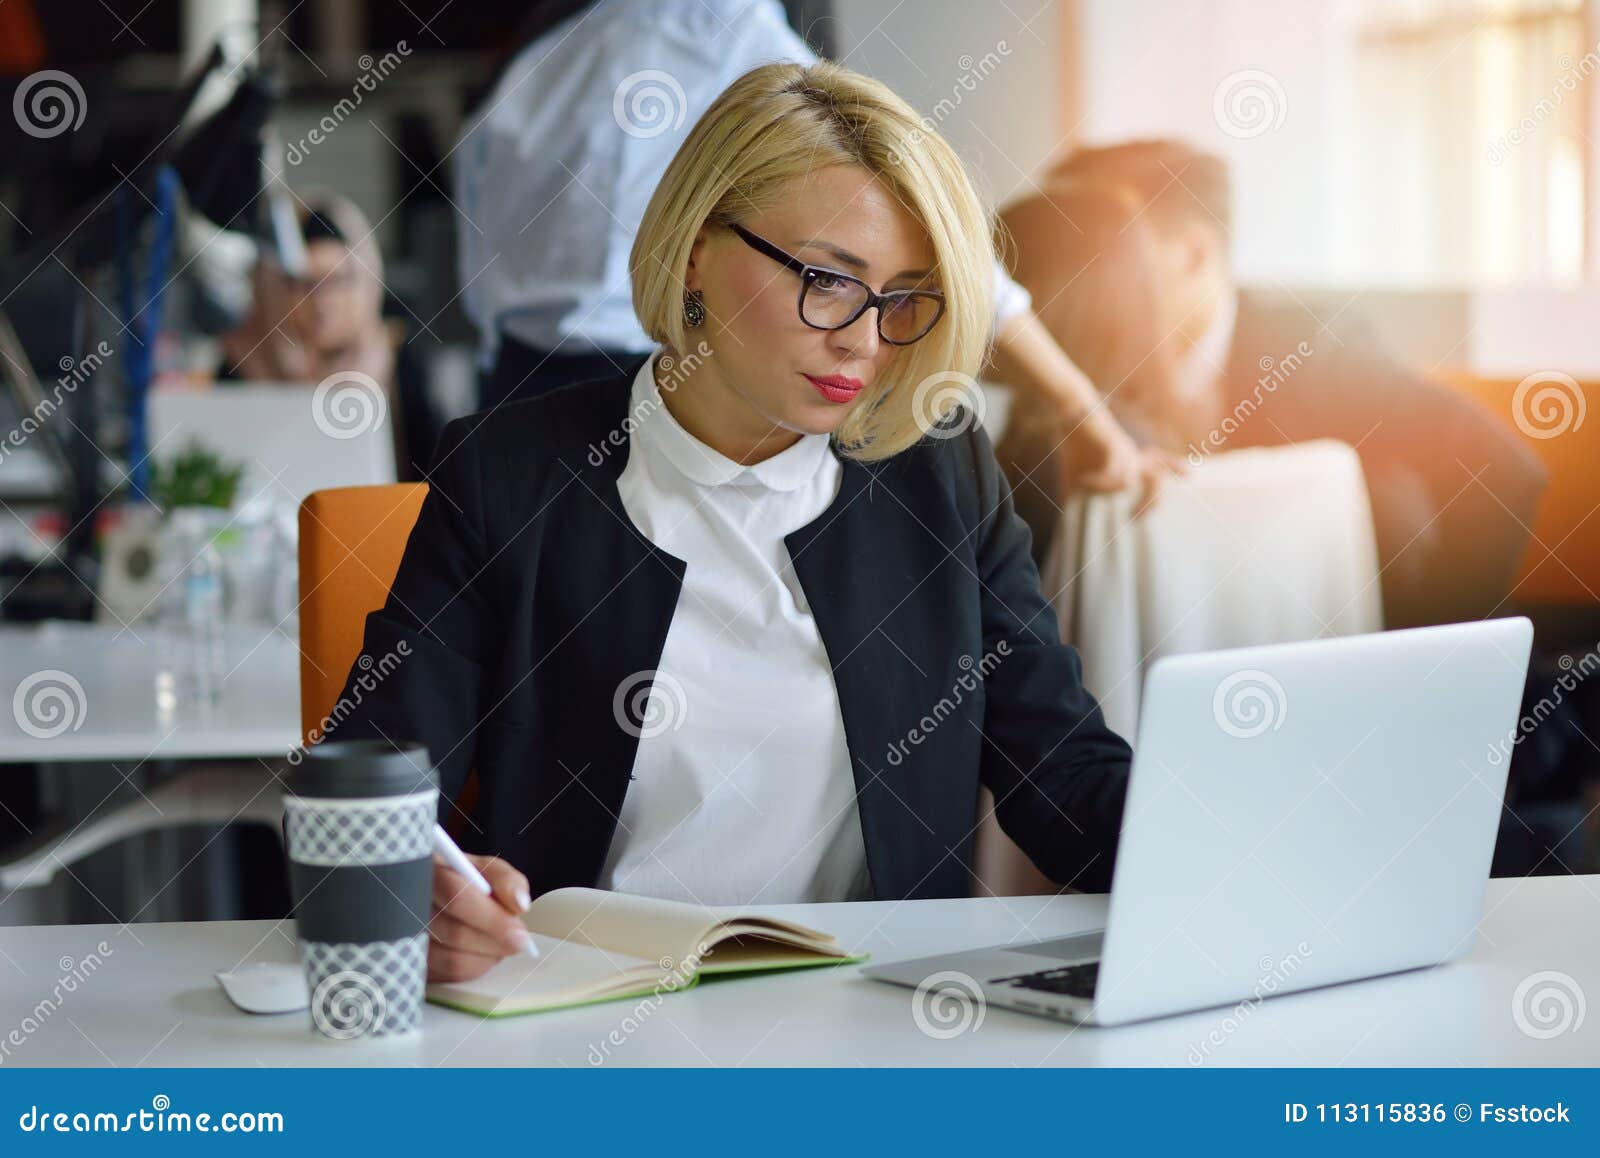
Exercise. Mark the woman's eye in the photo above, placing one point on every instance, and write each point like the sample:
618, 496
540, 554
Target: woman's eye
828, 283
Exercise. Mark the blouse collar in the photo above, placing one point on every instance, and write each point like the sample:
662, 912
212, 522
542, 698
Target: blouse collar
654, 425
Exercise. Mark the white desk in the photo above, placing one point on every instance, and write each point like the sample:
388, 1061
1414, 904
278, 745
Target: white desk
154, 1002
109, 711
258, 713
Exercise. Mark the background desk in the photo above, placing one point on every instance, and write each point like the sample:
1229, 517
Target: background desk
119, 717
154, 1002
198, 764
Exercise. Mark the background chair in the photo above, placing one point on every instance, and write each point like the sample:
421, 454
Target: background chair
1560, 572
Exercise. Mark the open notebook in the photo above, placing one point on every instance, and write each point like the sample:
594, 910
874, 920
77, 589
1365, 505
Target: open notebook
596, 945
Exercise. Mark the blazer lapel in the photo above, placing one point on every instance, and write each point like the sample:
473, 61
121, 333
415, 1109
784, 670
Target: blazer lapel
855, 564
606, 608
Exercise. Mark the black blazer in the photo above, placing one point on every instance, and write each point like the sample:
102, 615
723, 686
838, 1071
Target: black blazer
526, 599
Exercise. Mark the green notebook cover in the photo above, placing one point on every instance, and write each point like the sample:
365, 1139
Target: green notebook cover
725, 971
592, 940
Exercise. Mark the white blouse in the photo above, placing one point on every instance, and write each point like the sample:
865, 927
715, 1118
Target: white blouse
742, 789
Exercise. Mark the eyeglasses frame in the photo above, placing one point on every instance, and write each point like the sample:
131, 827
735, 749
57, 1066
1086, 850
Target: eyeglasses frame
809, 273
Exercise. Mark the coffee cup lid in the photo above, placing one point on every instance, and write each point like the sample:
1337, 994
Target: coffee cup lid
345, 768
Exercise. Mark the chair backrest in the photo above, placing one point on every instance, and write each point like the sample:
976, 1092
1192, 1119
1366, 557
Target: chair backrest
1562, 563
351, 541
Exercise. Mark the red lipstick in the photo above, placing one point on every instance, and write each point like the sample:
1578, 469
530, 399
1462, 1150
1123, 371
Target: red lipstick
836, 387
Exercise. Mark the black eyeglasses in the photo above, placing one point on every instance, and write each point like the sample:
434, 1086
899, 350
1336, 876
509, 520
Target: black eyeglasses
830, 300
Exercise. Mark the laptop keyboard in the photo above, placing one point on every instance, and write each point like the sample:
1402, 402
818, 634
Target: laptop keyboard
1071, 980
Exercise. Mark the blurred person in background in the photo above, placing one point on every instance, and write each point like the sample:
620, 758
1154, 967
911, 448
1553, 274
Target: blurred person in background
329, 318
555, 167
302, 329
1140, 292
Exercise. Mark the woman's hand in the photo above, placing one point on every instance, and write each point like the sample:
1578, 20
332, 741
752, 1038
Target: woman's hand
468, 932
1101, 456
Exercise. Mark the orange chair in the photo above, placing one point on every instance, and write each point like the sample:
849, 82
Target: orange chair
1562, 563
351, 541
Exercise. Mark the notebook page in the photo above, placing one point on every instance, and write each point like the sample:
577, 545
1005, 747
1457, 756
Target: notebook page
644, 927
564, 971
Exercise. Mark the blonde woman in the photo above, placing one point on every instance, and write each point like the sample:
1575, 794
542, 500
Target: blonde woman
555, 166
753, 624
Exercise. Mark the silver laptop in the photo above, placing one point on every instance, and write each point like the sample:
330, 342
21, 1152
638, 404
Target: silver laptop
1297, 815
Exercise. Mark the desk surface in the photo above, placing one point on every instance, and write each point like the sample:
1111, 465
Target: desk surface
153, 1002
113, 712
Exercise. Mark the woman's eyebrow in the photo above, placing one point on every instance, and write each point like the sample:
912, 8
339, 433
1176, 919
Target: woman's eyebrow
854, 262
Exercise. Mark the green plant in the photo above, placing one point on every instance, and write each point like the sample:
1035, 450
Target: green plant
194, 476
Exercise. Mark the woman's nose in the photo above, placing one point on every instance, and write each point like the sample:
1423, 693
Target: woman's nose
860, 338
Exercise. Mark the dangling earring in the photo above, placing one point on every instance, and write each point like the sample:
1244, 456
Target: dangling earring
694, 311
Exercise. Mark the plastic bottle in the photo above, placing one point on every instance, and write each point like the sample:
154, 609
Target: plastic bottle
192, 615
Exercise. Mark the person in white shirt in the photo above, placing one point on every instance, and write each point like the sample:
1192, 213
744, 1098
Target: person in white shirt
755, 622
553, 171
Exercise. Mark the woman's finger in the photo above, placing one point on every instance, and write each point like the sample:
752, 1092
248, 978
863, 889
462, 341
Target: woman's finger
510, 886
447, 964
449, 884
455, 933
454, 895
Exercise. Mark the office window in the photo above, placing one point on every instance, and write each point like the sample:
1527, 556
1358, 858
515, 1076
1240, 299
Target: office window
1470, 125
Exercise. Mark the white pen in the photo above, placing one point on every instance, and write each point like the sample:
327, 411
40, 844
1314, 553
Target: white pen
456, 859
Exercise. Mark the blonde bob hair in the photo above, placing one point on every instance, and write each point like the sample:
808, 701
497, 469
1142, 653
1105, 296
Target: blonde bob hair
782, 121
